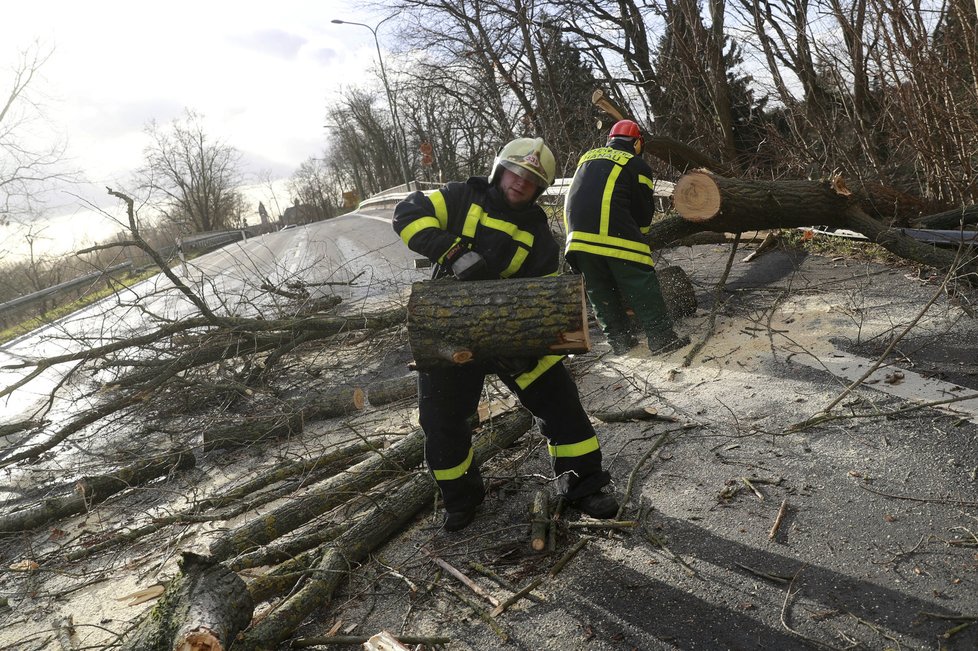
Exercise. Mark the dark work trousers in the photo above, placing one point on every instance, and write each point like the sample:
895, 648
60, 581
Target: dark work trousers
446, 397
614, 285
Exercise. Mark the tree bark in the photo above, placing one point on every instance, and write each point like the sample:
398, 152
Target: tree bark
375, 528
950, 219
405, 454
92, 490
388, 391
735, 205
203, 609
451, 322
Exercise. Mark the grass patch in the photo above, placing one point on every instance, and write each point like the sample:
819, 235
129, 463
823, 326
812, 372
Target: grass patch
63, 310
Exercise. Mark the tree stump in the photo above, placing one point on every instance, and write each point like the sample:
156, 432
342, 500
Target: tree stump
452, 322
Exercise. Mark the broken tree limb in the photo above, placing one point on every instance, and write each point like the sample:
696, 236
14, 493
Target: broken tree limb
204, 607
949, 219
469, 583
632, 414
452, 322
389, 515
403, 455
539, 521
250, 429
92, 490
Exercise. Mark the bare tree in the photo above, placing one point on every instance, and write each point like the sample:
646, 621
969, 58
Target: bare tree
195, 174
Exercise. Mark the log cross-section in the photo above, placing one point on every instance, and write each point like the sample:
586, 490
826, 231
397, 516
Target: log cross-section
451, 322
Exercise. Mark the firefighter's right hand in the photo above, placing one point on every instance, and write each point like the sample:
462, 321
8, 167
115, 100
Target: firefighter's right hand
465, 264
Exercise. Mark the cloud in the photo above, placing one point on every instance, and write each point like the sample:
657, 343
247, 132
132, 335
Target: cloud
274, 42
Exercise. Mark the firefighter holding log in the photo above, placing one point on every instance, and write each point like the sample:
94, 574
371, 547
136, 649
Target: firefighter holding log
607, 212
486, 229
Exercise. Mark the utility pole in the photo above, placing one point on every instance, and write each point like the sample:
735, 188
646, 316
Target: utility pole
398, 131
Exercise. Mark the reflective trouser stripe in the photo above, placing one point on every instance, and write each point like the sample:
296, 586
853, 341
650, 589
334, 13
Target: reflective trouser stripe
543, 365
456, 472
574, 449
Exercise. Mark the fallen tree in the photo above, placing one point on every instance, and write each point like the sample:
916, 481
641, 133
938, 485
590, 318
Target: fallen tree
707, 201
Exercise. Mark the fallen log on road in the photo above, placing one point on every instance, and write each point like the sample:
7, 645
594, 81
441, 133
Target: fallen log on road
383, 521
715, 203
93, 490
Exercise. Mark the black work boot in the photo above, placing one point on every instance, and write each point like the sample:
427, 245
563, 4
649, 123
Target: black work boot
621, 345
467, 495
666, 342
600, 505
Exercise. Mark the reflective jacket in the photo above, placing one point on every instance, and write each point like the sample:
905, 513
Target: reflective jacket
609, 206
515, 242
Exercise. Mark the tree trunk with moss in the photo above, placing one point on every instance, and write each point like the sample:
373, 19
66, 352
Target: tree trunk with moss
451, 322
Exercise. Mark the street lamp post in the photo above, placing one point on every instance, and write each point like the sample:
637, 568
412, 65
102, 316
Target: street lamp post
398, 132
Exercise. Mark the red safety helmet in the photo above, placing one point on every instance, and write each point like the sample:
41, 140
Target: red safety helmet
630, 130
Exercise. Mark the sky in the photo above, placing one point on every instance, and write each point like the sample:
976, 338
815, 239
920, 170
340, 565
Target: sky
260, 73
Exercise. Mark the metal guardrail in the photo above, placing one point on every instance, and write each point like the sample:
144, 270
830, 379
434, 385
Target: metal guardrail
40, 295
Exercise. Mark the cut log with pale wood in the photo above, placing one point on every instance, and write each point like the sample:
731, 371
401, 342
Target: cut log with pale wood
93, 490
203, 609
393, 390
714, 203
452, 322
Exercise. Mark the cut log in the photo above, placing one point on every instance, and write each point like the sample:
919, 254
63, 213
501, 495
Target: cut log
451, 322
249, 429
390, 514
203, 609
394, 390
738, 205
720, 204
539, 521
92, 490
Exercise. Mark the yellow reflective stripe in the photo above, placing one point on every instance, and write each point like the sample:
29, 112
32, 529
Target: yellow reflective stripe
441, 210
609, 189
574, 449
643, 258
514, 265
472, 220
521, 236
644, 230
543, 365
610, 240
644, 180
417, 225
456, 472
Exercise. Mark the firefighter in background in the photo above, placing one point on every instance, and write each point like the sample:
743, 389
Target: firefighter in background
607, 211
490, 228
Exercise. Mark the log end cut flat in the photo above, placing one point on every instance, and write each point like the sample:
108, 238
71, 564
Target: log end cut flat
697, 197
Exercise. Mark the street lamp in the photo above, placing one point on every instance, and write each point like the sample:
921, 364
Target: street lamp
390, 97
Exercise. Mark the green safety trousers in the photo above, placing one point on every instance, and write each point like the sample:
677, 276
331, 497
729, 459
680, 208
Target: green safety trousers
447, 397
613, 286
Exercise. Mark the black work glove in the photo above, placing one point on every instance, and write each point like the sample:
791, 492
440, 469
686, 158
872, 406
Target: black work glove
466, 264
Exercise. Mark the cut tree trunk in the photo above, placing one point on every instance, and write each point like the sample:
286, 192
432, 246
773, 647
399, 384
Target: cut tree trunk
388, 391
451, 322
720, 204
202, 609
92, 490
